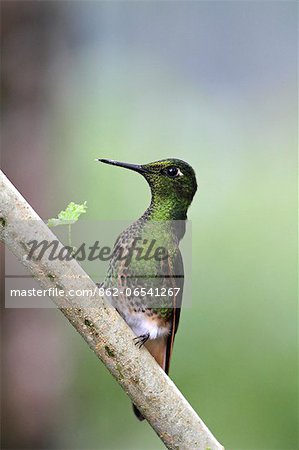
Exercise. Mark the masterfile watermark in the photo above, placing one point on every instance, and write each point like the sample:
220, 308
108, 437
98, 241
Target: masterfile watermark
53, 292
135, 267
140, 249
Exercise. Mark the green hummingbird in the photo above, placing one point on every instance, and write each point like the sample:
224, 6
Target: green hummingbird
149, 284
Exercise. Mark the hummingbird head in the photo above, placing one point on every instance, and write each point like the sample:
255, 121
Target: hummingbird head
172, 181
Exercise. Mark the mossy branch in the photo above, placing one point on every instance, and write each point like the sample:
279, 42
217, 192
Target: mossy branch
155, 395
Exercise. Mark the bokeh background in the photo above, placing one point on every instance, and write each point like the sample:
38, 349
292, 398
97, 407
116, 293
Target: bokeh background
213, 83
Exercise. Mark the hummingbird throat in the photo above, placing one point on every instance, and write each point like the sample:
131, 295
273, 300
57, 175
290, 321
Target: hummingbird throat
166, 207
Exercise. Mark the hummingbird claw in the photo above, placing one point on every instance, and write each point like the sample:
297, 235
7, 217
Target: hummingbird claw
141, 340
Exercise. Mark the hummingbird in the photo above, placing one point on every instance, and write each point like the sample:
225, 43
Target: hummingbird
150, 289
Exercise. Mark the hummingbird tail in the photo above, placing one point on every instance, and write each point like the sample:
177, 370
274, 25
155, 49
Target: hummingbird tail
137, 412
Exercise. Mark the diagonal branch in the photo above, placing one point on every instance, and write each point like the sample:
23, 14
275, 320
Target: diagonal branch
155, 395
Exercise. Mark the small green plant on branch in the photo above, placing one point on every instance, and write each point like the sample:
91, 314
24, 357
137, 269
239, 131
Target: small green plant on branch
68, 217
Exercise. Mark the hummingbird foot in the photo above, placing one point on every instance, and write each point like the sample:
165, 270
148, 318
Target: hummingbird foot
139, 341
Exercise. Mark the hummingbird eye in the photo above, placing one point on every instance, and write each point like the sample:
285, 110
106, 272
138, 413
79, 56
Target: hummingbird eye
173, 172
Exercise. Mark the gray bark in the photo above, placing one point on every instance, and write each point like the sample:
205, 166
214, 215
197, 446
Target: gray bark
152, 391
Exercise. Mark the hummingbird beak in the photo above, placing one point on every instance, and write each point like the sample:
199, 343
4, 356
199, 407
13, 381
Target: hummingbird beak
136, 167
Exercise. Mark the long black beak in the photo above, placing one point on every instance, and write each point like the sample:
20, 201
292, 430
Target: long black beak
135, 167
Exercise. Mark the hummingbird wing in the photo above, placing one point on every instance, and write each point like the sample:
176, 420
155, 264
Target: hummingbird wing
176, 271
161, 348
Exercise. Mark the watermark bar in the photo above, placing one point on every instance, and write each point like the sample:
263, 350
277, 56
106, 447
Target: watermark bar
148, 268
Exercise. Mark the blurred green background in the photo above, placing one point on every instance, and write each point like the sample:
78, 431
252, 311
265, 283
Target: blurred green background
213, 83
